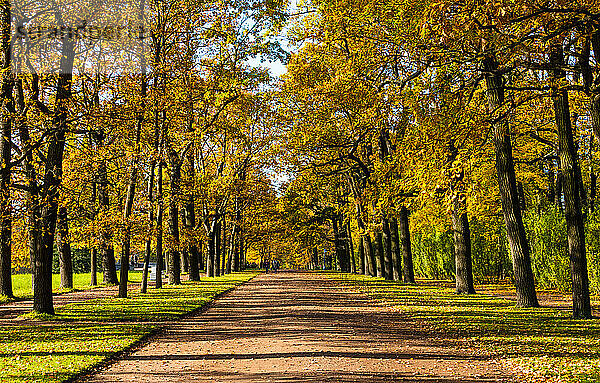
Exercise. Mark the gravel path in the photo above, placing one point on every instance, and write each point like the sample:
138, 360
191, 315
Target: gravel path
298, 327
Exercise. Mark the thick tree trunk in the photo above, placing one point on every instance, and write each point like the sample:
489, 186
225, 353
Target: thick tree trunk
505, 170
5, 151
460, 226
567, 154
396, 255
370, 257
404, 231
462, 253
5, 209
64, 250
42, 289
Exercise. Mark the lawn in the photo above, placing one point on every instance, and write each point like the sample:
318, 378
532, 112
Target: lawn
82, 335
22, 283
538, 345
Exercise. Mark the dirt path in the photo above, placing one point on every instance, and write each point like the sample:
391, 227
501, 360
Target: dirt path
298, 327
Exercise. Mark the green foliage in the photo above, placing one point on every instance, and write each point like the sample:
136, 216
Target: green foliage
55, 351
491, 259
592, 244
548, 240
433, 255
81, 261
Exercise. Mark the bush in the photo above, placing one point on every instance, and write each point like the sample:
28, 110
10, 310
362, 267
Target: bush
433, 255
547, 235
81, 261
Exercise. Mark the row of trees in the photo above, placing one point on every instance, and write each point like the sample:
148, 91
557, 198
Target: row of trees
455, 112
155, 148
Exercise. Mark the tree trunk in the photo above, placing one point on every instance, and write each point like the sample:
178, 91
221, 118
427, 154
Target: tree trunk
210, 254
243, 252
93, 269
462, 253
339, 246
148, 247
133, 174
551, 187
5, 151
200, 256
109, 271
32, 194
387, 247
5, 207
370, 257
595, 97
174, 257
64, 250
558, 188
217, 263
380, 255
159, 226
350, 248
396, 256
190, 223
505, 170
223, 245
404, 231
572, 193
42, 290
231, 249
185, 251
361, 256
237, 231
460, 226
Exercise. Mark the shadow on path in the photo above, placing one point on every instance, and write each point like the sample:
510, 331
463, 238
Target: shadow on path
299, 327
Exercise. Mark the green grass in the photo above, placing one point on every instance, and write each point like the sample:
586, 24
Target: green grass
22, 283
82, 335
538, 345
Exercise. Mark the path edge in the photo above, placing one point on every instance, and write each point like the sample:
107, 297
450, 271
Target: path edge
147, 338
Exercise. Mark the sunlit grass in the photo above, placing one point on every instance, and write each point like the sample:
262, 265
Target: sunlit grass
544, 345
22, 283
83, 334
